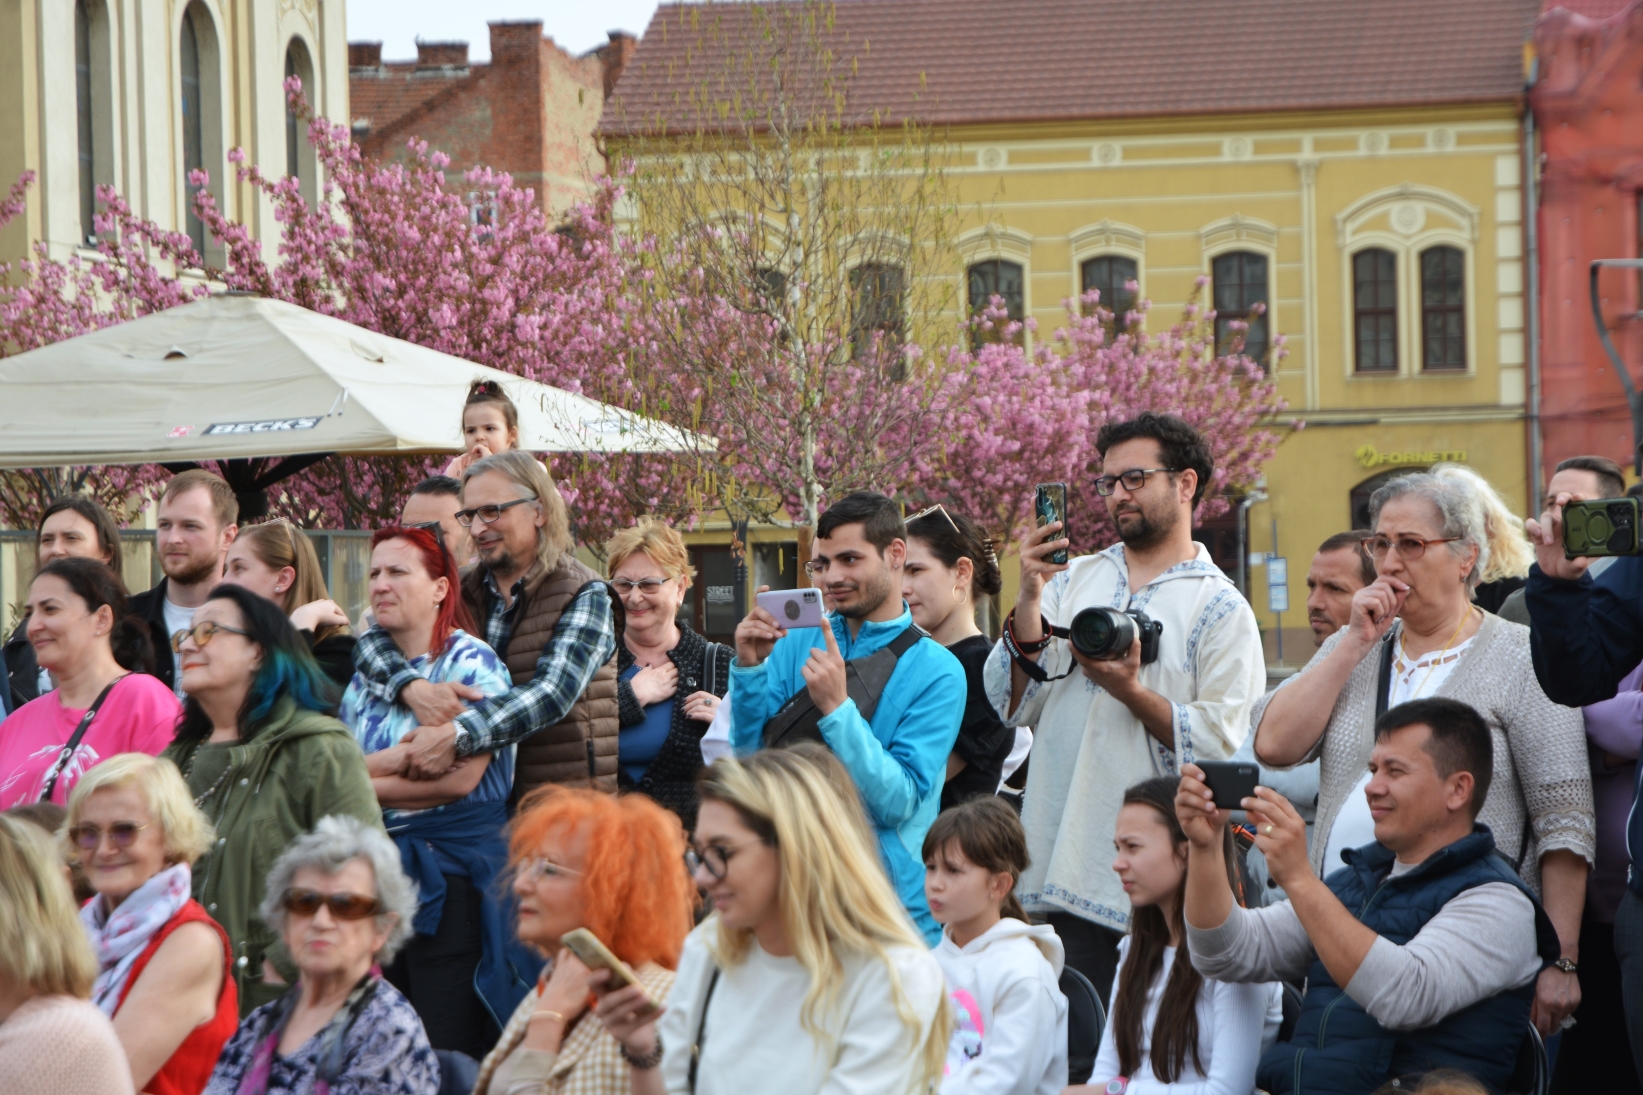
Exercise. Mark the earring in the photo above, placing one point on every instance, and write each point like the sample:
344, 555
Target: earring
963, 595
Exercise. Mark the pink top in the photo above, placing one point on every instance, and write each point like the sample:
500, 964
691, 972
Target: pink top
57, 1045
139, 716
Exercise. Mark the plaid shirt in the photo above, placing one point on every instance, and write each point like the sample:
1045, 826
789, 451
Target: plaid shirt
583, 640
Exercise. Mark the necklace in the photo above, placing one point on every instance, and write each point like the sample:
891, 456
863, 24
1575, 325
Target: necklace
1432, 668
209, 791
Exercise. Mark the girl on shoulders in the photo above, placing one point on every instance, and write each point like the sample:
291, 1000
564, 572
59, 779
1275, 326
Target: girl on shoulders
1002, 972
490, 424
1172, 1031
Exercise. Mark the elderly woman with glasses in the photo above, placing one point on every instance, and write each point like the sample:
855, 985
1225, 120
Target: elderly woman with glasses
1414, 632
342, 907
463, 966
264, 758
671, 680
613, 866
163, 976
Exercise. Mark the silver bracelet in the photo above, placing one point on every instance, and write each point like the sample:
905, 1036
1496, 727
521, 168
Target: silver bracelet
648, 1061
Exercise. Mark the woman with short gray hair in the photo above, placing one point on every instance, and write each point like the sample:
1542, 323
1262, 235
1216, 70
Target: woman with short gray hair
1414, 632
339, 900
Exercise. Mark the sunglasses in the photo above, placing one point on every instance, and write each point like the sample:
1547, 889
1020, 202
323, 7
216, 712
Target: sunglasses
122, 834
343, 906
937, 508
648, 586
202, 634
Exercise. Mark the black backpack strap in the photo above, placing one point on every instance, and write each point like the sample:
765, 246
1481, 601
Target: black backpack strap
67, 751
798, 720
1384, 686
701, 1026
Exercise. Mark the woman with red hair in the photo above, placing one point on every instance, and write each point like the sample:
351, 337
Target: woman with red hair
463, 971
614, 866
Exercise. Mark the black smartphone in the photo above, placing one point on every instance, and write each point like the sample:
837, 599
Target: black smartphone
1230, 781
1050, 504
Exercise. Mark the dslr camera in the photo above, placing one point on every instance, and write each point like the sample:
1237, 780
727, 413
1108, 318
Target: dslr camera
1105, 634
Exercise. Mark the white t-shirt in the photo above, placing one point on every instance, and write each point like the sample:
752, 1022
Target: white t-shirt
753, 1039
176, 619
1411, 680
1236, 1024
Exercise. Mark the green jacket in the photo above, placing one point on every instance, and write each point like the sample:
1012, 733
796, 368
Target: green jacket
300, 767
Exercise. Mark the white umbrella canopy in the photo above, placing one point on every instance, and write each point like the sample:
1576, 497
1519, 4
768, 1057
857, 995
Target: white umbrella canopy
234, 376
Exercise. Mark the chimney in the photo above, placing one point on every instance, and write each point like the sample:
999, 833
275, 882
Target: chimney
364, 54
616, 54
516, 41
441, 54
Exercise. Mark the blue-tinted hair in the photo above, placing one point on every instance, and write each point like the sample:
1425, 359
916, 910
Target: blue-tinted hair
287, 668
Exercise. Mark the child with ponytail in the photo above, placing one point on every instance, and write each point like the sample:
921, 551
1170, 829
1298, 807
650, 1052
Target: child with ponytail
490, 424
1010, 1018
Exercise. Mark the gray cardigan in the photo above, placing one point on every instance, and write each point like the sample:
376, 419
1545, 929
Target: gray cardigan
1540, 747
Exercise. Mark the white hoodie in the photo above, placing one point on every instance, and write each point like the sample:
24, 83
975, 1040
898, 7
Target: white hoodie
1010, 1019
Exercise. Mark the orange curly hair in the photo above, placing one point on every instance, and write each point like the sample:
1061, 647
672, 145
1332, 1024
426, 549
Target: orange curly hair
637, 895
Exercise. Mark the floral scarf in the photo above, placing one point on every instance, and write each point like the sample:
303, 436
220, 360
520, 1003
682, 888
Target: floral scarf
119, 937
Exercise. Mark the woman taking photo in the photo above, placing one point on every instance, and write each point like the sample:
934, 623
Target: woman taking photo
950, 566
1170, 1029
1414, 632
52, 1040
265, 760
582, 859
449, 830
808, 973
105, 701
338, 900
73, 527
163, 962
671, 680
276, 560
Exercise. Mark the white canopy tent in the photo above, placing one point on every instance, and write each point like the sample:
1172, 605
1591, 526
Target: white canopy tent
241, 378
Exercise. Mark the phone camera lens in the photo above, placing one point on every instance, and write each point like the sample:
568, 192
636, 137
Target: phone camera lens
791, 608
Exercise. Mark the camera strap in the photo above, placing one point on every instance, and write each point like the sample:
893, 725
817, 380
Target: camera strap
1018, 654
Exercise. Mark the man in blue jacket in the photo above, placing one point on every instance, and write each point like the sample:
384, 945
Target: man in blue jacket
898, 756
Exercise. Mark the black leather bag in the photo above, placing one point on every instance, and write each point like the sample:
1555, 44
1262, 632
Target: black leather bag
865, 679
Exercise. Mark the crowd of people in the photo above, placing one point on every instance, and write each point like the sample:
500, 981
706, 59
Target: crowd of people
520, 830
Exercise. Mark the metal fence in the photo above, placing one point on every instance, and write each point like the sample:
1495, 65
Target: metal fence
344, 560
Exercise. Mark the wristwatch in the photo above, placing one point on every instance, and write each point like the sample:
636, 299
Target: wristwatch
461, 742
1117, 1085
1567, 965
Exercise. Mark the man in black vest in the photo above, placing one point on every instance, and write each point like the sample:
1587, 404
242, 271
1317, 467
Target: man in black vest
1421, 953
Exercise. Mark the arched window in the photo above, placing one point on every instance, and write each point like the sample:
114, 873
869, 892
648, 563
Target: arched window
299, 155
1240, 283
1108, 273
1375, 310
198, 65
1000, 278
879, 290
1443, 308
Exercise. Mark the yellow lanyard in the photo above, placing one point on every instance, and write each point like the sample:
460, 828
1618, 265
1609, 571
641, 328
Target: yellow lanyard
1404, 646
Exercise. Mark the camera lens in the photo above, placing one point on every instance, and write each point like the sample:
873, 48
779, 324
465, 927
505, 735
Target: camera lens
791, 610
1102, 633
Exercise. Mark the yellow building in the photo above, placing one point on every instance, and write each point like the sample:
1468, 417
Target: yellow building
1353, 165
132, 95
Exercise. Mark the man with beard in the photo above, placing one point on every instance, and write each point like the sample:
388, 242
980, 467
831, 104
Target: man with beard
198, 518
1102, 725
897, 753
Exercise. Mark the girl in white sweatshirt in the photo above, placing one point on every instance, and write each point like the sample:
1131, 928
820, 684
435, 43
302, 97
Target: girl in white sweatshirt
1010, 1018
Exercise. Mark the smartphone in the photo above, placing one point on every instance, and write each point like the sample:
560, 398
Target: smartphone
1230, 782
1050, 503
596, 956
1604, 526
793, 607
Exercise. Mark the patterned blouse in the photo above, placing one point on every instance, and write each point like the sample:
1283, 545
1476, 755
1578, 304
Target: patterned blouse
386, 1052
378, 725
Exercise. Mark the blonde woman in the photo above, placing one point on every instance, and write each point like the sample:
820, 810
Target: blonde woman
276, 560
53, 1041
670, 679
808, 973
163, 974
1507, 567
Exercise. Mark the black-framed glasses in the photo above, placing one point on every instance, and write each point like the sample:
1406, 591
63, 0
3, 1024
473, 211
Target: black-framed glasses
1133, 480
343, 906
202, 634
1409, 548
487, 514
715, 858
937, 508
648, 586
121, 834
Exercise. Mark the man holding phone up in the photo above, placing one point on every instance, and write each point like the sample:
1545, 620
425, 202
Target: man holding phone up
1102, 725
898, 756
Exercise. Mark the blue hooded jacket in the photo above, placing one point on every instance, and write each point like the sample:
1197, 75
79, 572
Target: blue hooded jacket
898, 760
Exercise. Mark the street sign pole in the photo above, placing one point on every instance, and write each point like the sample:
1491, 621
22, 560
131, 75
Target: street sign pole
1277, 588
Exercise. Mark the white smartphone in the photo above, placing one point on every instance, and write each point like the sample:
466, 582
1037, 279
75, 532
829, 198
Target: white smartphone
794, 607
